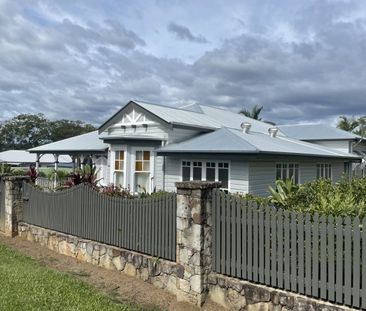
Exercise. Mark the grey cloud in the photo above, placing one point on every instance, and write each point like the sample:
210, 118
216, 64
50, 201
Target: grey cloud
183, 33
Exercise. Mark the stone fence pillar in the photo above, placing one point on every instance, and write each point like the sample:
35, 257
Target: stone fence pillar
13, 203
194, 239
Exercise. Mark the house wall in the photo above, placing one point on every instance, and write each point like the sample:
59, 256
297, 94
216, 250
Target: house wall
263, 173
238, 172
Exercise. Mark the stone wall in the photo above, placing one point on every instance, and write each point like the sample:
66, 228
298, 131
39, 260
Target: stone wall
235, 294
159, 272
13, 203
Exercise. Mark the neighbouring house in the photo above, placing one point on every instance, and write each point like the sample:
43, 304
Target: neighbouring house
149, 147
23, 158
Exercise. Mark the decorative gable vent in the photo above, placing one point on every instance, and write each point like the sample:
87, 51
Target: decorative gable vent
135, 118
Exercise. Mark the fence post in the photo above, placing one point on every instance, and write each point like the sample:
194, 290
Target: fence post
13, 203
194, 239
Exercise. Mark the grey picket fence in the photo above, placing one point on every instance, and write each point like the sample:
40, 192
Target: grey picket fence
146, 225
322, 257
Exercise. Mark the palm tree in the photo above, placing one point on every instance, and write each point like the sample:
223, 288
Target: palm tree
348, 124
254, 113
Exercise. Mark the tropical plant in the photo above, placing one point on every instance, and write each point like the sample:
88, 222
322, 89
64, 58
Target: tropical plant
254, 113
5, 169
284, 190
347, 124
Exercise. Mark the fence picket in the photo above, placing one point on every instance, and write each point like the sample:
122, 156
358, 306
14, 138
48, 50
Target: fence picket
308, 272
348, 261
331, 259
261, 268
254, 208
363, 264
339, 259
293, 252
287, 246
249, 249
280, 248
274, 247
244, 267
356, 263
267, 240
239, 272
315, 253
323, 257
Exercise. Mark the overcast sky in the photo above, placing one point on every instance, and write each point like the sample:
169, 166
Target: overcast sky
303, 60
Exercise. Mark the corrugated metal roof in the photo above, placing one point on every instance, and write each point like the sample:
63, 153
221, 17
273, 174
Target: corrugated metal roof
180, 116
23, 156
227, 140
316, 132
81, 143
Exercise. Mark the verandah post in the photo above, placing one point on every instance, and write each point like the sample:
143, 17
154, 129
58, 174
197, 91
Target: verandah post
194, 239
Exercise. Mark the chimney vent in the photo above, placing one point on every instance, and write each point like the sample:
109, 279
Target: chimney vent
273, 131
245, 126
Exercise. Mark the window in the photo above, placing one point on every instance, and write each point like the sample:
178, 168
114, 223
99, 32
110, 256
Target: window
186, 170
119, 167
288, 171
223, 175
211, 171
197, 170
142, 171
324, 170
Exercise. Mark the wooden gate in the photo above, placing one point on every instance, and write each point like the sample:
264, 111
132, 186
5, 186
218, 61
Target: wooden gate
2, 204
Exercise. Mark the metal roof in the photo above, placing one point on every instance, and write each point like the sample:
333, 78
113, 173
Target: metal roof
85, 143
23, 156
317, 132
227, 140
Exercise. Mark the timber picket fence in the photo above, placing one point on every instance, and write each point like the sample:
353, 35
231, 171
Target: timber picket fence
146, 225
322, 257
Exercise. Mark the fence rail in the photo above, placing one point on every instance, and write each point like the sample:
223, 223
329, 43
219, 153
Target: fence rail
322, 257
146, 225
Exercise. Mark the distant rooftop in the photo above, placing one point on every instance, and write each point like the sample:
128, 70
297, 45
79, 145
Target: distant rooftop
16, 157
316, 132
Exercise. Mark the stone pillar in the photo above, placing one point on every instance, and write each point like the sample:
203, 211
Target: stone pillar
194, 239
13, 203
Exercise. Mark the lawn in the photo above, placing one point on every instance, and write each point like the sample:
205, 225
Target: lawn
26, 285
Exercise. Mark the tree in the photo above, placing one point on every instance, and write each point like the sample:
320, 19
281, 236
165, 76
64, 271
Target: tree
61, 129
31, 130
254, 113
347, 124
24, 131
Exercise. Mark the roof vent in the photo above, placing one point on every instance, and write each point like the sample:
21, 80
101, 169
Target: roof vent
273, 131
245, 126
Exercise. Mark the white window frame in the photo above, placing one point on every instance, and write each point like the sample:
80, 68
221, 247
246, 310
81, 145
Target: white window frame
133, 167
288, 171
113, 163
323, 168
203, 167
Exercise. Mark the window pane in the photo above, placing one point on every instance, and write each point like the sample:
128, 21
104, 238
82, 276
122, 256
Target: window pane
186, 173
197, 173
119, 179
224, 177
142, 182
116, 165
121, 155
284, 171
210, 174
278, 172
146, 166
138, 167
147, 155
297, 178
138, 155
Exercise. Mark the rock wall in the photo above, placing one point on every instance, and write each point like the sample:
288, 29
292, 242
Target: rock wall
235, 294
159, 272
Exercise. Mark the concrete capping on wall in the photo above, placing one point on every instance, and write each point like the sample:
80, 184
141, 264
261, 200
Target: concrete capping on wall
236, 294
159, 272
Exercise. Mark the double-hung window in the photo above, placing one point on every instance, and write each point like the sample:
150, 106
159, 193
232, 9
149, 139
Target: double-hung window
119, 167
288, 171
142, 171
324, 170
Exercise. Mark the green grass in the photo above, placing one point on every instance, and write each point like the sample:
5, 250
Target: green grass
25, 285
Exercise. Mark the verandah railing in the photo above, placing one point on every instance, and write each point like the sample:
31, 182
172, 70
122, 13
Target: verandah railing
146, 225
322, 257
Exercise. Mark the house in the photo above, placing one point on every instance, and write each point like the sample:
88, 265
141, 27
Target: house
24, 158
152, 146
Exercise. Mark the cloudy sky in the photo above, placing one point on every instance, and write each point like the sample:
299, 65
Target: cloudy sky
303, 60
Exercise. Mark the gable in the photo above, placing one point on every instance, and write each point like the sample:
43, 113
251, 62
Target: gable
134, 121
